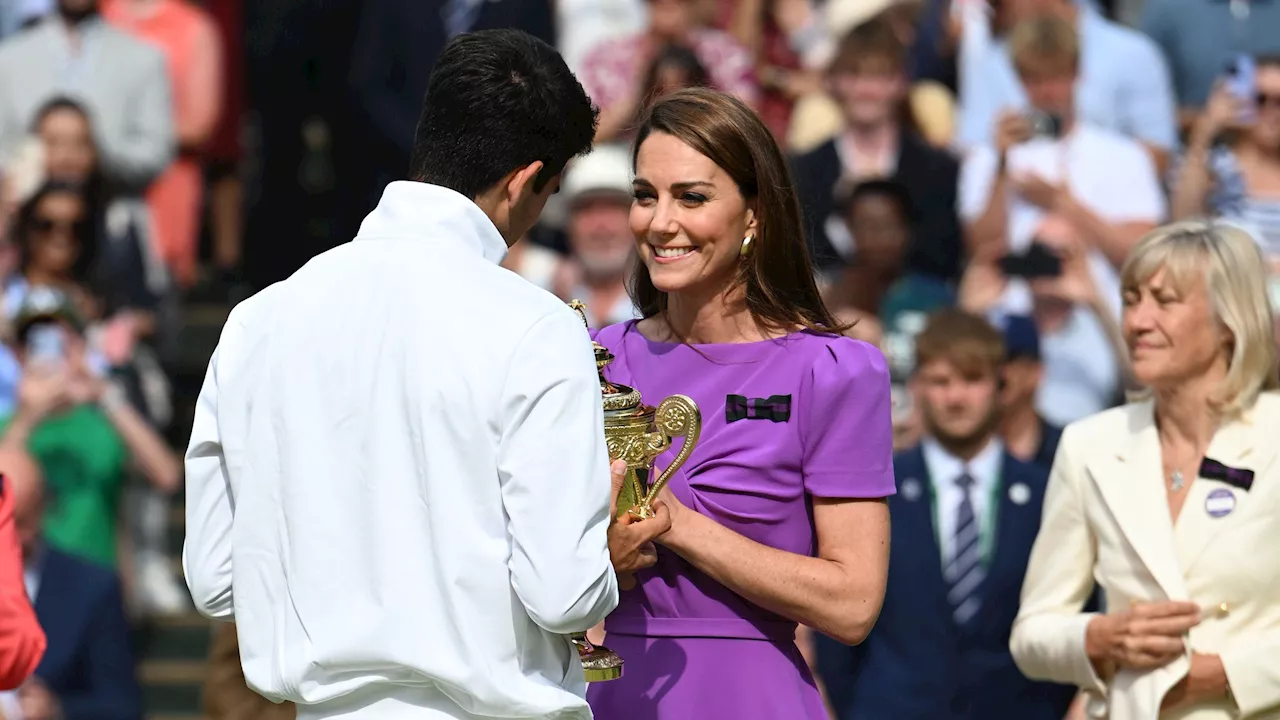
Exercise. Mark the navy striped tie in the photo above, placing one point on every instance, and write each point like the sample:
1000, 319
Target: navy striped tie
964, 572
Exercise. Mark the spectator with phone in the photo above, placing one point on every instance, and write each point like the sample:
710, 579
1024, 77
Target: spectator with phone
1231, 167
1050, 161
1205, 39
1079, 338
79, 427
1123, 79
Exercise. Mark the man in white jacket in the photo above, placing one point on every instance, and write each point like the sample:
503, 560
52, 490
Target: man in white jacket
397, 482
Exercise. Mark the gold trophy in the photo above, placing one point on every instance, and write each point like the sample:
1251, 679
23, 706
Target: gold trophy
638, 434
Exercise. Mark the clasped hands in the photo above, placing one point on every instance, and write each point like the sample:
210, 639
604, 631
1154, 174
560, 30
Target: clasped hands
1150, 635
631, 540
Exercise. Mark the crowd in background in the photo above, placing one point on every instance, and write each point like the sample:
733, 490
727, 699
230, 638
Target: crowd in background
998, 157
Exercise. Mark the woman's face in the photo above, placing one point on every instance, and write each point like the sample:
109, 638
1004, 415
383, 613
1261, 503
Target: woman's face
1266, 131
68, 146
689, 218
55, 245
1172, 332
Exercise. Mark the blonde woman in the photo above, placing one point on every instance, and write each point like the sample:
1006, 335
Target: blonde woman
1171, 503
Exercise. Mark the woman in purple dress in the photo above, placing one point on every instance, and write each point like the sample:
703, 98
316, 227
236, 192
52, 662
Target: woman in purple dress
778, 517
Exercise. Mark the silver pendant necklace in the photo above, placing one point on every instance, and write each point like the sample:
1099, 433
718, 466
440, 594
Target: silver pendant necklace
1177, 479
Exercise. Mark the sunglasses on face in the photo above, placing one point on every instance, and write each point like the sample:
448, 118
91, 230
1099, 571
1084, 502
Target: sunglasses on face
44, 225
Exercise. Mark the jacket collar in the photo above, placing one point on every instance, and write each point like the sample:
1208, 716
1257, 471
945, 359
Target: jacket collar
420, 211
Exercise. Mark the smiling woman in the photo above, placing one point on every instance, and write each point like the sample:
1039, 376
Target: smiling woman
777, 517
713, 195
1170, 503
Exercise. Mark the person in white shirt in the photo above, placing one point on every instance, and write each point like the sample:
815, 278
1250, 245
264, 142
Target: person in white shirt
397, 481
1049, 162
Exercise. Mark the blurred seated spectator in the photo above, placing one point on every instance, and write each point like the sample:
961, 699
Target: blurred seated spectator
904, 312
790, 42
1231, 167
614, 69
868, 78
194, 59
877, 215
88, 671
1122, 80
1027, 436
127, 273
1202, 40
1080, 342
930, 102
598, 191
120, 79
581, 25
80, 427
673, 67
1051, 161
226, 696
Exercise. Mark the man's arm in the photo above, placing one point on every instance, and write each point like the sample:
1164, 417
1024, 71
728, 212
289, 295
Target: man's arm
22, 641
554, 470
206, 554
112, 692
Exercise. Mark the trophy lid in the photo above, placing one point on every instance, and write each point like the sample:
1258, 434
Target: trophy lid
617, 398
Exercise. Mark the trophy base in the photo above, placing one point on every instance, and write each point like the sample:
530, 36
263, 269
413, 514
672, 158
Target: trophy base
599, 663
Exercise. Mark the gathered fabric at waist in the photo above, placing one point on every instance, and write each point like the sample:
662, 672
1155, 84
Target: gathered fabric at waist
675, 627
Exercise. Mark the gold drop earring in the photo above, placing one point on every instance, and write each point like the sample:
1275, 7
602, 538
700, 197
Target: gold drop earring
745, 250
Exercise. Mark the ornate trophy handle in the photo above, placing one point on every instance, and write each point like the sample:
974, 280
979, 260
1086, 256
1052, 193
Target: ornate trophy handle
676, 416
581, 308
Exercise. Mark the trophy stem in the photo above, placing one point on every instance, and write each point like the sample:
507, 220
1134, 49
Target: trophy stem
599, 663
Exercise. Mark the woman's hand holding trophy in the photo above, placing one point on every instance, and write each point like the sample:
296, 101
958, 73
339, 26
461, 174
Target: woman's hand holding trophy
631, 545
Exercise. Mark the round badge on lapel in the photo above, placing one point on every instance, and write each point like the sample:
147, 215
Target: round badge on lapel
1019, 494
1220, 503
911, 489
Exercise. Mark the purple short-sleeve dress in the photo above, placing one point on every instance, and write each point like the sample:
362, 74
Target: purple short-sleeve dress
806, 415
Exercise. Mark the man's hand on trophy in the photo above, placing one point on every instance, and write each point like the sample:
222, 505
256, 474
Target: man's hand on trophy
631, 545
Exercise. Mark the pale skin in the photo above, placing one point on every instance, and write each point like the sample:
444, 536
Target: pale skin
1179, 349
685, 202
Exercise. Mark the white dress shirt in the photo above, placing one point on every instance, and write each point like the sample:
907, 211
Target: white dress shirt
397, 483
944, 468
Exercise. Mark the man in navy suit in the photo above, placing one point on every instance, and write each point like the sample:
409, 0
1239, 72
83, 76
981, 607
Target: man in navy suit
964, 518
87, 672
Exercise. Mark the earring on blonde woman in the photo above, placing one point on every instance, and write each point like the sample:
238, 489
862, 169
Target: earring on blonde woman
745, 250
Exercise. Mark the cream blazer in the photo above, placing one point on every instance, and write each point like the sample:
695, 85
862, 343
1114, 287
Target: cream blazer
1106, 518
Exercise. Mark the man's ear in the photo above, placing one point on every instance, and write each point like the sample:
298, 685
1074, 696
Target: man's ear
520, 183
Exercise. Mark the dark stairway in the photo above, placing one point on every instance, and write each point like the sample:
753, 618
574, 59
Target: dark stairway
172, 651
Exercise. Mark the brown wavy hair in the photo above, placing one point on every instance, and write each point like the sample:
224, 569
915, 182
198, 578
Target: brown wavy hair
781, 293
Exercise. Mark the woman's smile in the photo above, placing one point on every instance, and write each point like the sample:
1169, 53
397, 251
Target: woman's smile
668, 255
